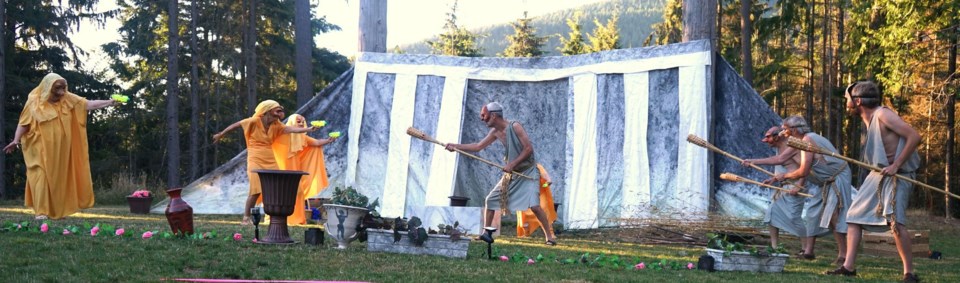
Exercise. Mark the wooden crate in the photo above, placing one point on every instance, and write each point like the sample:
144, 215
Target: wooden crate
883, 245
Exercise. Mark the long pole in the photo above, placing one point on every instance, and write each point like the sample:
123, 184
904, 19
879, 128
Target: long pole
414, 132
802, 145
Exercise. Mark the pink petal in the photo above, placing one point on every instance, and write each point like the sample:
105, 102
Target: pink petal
530, 261
689, 265
119, 232
504, 258
44, 228
66, 232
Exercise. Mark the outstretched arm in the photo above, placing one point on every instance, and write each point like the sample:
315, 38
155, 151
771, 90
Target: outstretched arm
297, 130
21, 129
778, 159
321, 142
218, 136
474, 147
97, 104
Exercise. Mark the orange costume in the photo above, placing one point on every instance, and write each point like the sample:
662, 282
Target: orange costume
527, 222
55, 152
293, 152
259, 144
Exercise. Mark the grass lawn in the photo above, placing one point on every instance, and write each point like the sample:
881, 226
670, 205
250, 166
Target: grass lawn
34, 256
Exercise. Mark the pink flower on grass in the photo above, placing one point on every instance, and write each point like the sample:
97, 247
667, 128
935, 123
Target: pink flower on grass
689, 265
94, 230
19, 227
530, 261
237, 236
254, 240
147, 235
504, 258
640, 266
44, 228
119, 232
66, 232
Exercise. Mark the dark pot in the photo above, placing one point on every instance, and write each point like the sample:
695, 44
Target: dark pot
313, 236
179, 214
279, 199
140, 205
458, 201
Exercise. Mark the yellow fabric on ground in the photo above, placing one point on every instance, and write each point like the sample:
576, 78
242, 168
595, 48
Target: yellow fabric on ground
55, 152
527, 222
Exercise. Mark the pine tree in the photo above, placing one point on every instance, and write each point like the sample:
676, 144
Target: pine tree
524, 42
574, 44
671, 29
455, 40
605, 37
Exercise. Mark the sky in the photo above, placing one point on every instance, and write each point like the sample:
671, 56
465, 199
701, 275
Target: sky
407, 21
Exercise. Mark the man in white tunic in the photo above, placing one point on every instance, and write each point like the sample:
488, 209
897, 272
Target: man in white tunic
881, 203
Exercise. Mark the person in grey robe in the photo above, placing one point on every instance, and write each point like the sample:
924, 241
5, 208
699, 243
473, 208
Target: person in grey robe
513, 192
785, 209
831, 176
881, 203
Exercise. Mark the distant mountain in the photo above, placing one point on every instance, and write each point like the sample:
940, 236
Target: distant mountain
636, 19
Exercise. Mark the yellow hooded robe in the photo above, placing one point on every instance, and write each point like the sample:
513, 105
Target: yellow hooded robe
293, 152
259, 144
55, 152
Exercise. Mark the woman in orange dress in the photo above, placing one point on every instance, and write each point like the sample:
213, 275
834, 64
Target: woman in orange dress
302, 153
260, 131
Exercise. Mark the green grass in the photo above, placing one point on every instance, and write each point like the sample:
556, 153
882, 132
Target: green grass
34, 256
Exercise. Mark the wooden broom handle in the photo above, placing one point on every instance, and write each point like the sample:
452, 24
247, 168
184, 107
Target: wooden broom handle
734, 178
694, 139
414, 132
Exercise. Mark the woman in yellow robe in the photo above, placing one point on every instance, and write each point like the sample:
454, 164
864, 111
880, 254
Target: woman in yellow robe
53, 131
302, 153
260, 131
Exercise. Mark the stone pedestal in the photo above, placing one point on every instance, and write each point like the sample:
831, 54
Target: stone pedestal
279, 198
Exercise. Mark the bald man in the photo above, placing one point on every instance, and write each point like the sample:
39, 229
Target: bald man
512, 192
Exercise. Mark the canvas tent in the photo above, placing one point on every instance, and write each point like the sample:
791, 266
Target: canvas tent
610, 127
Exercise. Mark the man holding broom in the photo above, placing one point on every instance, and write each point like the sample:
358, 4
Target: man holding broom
881, 203
521, 192
829, 178
785, 209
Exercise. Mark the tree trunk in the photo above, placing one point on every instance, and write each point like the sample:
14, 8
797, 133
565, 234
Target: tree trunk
826, 87
699, 18
950, 205
173, 101
373, 26
304, 52
841, 70
746, 31
194, 94
251, 55
808, 114
3, 99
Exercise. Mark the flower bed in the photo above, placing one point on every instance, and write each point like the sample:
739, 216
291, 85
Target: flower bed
745, 261
383, 241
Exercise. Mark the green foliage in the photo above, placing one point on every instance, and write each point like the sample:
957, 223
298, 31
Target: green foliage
524, 42
671, 29
455, 40
718, 242
573, 44
351, 197
605, 37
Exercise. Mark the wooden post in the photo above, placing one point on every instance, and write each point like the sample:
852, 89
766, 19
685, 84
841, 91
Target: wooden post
304, 52
373, 26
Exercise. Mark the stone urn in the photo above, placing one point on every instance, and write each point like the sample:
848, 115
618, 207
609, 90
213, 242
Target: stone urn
342, 222
279, 198
179, 214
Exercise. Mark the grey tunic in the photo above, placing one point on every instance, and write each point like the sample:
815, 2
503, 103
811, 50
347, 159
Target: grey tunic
522, 193
785, 210
832, 175
882, 199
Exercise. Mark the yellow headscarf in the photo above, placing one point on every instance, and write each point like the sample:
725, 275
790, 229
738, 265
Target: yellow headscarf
296, 139
265, 106
37, 99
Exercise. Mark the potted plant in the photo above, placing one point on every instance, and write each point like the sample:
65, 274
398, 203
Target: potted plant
344, 213
737, 257
140, 201
445, 241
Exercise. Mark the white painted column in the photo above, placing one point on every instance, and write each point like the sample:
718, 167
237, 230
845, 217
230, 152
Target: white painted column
443, 164
398, 151
582, 192
693, 169
636, 164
